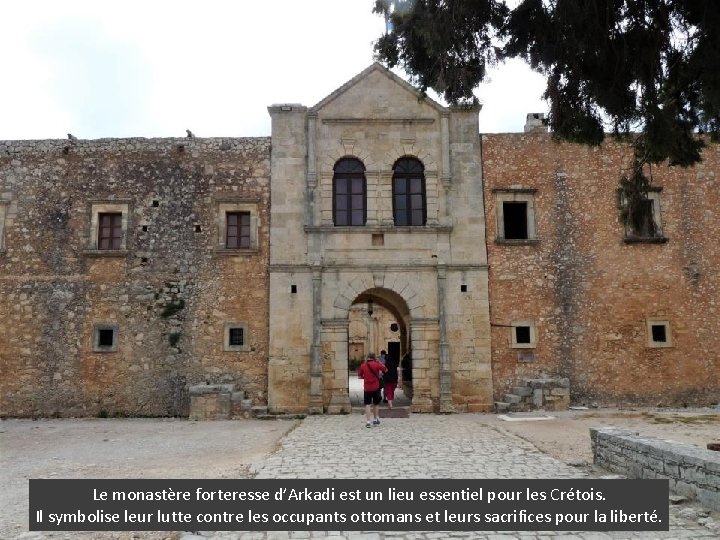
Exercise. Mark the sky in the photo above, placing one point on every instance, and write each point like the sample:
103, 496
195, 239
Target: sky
154, 68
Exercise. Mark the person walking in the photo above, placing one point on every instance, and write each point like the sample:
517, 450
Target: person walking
391, 379
370, 371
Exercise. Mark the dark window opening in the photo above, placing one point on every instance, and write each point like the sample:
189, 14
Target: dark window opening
110, 231
463, 288
143, 260
237, 233
522, 334
156, 203
643, 225
349, 193
144, 228
394, 327
106, 337
409, 204
198, 228
515, 220
659, 334
236, 337
293, 289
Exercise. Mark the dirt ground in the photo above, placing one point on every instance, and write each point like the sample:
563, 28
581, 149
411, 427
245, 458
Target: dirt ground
175, 448
565, 435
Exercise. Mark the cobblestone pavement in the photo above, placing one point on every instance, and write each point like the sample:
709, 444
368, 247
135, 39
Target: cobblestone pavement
454, 446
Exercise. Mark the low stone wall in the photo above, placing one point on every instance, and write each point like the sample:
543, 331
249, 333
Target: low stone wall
221, 402
693, 472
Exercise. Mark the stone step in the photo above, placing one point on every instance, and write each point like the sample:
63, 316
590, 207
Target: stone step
512, 398
501, 406
523, 391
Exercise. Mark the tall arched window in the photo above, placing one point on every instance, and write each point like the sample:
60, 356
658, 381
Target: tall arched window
409, 192
349, 193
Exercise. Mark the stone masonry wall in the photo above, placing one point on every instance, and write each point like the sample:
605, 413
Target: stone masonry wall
588, 292
692, 471
169, 293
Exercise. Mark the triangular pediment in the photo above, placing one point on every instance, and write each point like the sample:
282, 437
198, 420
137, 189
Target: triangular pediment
377, 91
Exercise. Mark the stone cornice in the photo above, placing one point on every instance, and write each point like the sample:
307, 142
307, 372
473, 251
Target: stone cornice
385, 121
424, 229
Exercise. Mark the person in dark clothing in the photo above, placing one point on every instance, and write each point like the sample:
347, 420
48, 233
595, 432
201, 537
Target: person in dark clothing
391, 379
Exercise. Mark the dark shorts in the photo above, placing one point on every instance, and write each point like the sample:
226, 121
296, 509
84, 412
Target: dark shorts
372, 398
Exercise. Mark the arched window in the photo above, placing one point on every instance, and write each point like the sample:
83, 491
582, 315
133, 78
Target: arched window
349, 193
409, 192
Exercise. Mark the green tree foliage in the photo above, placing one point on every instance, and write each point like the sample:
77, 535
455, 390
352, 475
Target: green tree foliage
648, 70
646, 66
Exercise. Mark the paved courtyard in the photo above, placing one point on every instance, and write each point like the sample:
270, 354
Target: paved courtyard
427, 446
421, 446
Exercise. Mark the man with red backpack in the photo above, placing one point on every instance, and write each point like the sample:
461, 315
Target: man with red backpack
371, 372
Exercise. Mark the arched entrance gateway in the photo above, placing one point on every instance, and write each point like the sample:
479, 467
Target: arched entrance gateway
378, 320
376, 197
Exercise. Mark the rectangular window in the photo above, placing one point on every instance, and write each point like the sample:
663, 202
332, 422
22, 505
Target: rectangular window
647, 225
515, 220
349, 201
409, 201
3, 211
110, 231
237, 337
237, 230
515, 209
522, 335
105, 338
658, 334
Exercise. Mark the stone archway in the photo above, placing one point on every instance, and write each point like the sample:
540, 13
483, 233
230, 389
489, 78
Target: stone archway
337, 346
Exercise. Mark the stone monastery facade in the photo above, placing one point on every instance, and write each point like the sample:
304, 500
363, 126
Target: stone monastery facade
133, 269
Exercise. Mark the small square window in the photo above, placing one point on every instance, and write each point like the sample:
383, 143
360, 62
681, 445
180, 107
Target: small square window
235, 337
144, 228
293, 289
463, 288
156, 203
658, 333
105, 338
522, 335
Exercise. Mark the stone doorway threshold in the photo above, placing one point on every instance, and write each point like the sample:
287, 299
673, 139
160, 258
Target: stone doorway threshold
395, 412
525, 417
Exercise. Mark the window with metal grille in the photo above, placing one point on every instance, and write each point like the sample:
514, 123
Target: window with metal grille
236, 337
349, 193
110, 231
237, 230
409, 192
